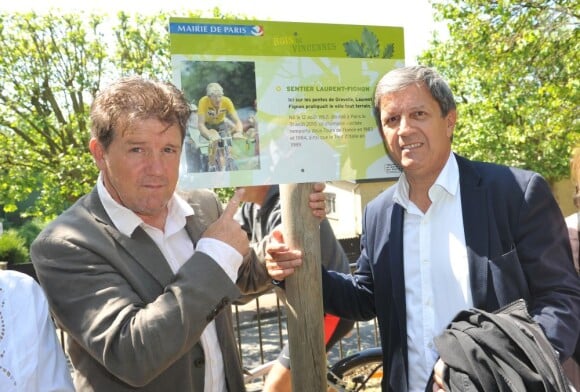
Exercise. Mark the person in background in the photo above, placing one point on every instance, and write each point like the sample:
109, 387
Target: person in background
572, 365
259, 215
31, 357
140, 279
217, 121
452, 234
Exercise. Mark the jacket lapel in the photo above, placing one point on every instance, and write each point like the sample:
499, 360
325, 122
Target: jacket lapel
396, 261
476, 227
195, 228
399, 362
140, 246
144, 250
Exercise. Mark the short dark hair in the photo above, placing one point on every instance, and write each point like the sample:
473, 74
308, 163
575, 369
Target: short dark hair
135, 98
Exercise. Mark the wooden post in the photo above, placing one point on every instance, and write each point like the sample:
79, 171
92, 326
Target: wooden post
304, 291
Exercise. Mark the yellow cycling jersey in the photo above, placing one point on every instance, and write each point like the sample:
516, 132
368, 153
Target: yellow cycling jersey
213, 115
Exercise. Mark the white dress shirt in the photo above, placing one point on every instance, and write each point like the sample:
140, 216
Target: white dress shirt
436, 269
176, 245
31, 357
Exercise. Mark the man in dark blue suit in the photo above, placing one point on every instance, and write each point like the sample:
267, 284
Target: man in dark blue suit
452, 234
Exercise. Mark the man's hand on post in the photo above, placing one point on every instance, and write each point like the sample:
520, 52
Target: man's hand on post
281, 261
317, 200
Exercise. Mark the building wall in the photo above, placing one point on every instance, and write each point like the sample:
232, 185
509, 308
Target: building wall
350, 200
564, 191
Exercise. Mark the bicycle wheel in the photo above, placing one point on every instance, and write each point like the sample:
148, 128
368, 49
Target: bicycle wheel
362, 371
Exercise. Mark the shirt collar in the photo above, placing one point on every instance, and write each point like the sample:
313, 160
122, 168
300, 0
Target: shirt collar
447, 180
126, 221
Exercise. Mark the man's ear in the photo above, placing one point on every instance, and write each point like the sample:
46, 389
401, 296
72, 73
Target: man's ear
97, 152
451, 120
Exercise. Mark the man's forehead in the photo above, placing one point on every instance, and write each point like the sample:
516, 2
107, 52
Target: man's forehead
410, 97
142, 130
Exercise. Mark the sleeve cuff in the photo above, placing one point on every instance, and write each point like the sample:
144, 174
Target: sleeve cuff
224, 255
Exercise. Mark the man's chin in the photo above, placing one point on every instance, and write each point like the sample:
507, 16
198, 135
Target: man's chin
407, 163
152, 207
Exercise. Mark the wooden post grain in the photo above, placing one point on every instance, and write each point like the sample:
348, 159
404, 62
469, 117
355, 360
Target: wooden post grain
304, 291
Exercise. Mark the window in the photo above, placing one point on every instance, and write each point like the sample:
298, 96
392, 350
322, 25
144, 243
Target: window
330, 202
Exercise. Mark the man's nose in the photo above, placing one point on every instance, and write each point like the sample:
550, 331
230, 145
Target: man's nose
156, 162
404, 124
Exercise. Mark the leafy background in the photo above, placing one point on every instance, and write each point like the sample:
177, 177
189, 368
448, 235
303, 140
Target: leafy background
513, 65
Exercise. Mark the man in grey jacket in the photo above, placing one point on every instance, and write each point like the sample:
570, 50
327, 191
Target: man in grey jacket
139, 278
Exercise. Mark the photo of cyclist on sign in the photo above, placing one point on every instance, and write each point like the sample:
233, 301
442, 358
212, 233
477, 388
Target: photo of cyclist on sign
218, 121
222, 132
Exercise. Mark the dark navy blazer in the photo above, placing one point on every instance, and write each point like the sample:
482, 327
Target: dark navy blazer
517, 246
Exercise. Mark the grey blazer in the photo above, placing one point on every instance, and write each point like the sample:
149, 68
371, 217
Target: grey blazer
131, 323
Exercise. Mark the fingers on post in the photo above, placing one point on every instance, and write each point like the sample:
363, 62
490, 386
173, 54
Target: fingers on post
318, 186
317, 194
277, 235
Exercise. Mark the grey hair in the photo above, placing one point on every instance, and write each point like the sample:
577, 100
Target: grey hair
400, 78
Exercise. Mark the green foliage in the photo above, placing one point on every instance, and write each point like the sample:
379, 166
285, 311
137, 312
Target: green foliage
142, 46
513, 66
224, 194
13, 248
51, 67
30, 230
368, 47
